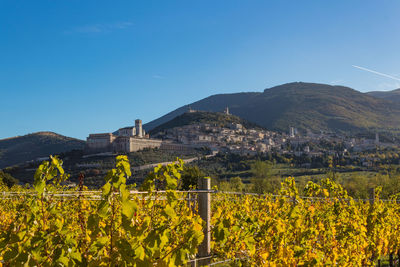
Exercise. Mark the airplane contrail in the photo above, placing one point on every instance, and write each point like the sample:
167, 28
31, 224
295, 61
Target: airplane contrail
378, 73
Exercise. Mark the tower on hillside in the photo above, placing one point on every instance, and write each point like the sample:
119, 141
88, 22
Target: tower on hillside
376, 139
226, 111
138, 127
291, 132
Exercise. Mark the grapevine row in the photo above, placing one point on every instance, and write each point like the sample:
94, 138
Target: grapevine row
121, 229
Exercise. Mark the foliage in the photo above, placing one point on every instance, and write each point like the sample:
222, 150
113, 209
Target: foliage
29, 147
120, 229
324, 227
261, 181
190, 177
7, 179
261, 169
288, 230
233, 185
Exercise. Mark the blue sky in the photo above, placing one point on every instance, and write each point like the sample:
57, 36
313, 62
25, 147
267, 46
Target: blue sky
77, 67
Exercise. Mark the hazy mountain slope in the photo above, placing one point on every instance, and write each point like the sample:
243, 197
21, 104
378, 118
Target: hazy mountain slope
19, 149
305, 106
393, 95
319, 106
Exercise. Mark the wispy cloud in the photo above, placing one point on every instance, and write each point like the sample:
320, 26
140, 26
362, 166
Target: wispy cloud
377, 73
156, 76
100, 28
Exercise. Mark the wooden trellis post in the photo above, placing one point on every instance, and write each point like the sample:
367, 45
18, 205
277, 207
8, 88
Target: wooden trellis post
371, 196
205, 214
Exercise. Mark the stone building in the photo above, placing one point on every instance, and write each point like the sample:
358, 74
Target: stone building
172, 146
127, 139
101, 142
136, 130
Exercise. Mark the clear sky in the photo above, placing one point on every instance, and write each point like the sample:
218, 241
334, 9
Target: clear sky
77, 67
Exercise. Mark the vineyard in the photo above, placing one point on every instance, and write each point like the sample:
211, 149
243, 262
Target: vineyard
159, 225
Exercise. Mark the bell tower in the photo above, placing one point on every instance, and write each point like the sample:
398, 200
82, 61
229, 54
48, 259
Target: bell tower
138, 127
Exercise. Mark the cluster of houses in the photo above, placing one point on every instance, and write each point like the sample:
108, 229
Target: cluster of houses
231, 137
235, 138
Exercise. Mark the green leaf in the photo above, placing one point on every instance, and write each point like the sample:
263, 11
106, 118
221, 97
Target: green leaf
58, 164
63, 260
171, 182
124, 193
106, 189
170, 211
39, 185
164, 239
101, 241
129, 208
139, 252
104, 209
123, 163
76, 256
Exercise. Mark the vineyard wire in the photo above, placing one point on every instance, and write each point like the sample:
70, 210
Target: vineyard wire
8, 194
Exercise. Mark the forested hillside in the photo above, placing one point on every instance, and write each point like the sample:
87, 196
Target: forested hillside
304, 106
19, 149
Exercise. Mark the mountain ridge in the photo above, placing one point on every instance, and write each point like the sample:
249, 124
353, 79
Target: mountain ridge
18, 149
307, 106
392, 95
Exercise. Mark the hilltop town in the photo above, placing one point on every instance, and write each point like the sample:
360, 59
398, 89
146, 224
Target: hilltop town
223, 145
223, 132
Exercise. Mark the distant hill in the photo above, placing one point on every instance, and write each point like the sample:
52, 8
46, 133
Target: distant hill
304, 106
393, 95
19, 149
215, 118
